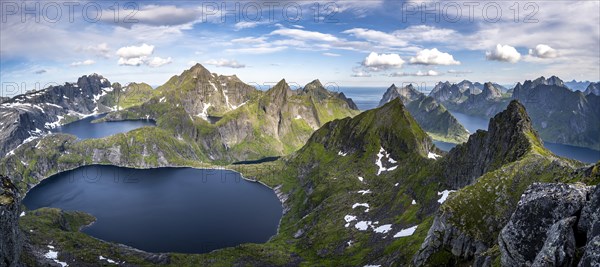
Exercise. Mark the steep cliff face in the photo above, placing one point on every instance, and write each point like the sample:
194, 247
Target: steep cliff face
593, 88
10, 239
30, 115
509, 137
407, 94
559, 114
490, 171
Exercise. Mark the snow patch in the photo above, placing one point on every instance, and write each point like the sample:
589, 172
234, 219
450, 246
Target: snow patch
107, 260
363, 225
382, 153
413, 202
22, 214
53, 255
348, 219
52, 125
204, 113
433, 155
361, 179
444, 195
383, 229
162, 99
363, 192
406, 232
366, 205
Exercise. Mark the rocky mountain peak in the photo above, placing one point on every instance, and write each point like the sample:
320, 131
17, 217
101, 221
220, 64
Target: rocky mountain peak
390, 127
593, 88
490, 91
93, 80
509, 137
553, 80
406, 94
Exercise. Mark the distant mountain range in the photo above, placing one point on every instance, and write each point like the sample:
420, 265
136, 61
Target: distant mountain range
228, 119
431, 116
356, 189
577, 85
559, 114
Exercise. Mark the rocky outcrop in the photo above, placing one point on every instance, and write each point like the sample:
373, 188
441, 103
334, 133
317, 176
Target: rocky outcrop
509, 136
559, 247
407, 94
443, 235
447, 93
33, 114
10, 237
591, 256
593, 88
541, 230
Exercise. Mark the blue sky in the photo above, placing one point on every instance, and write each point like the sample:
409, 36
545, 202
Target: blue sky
349, 43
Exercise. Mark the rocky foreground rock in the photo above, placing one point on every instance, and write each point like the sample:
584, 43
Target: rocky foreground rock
10, 237
544, 229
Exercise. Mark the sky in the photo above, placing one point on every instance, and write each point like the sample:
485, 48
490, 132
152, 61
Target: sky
371, 43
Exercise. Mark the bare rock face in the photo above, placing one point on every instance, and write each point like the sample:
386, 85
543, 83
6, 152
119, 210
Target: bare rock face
589, 223
10, 237
509, 137
540, 231
591, 257
33, 114
559, 247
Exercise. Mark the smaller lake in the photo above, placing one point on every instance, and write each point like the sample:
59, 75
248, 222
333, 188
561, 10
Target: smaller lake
85, 129
182, 210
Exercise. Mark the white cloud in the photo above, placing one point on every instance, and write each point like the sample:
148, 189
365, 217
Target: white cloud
433, 57
157, 62
248, 24
249, 40
136, 61
504, 53
331, 54
305, 35
543, 51
101, 50
135, 51
157, 15
378, 62
360, 74
376, 36
260, 49
418, 73
140, 55
83, 63
225, 63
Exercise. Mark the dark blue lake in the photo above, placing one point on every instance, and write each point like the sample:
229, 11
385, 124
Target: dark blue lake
85, 129
165, 209
473, 123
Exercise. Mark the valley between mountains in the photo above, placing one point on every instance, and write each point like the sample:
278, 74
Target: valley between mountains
357, 188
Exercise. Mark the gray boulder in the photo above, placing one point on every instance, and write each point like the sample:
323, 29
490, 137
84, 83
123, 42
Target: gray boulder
589, 223
591, 257
559, 248
529, 228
